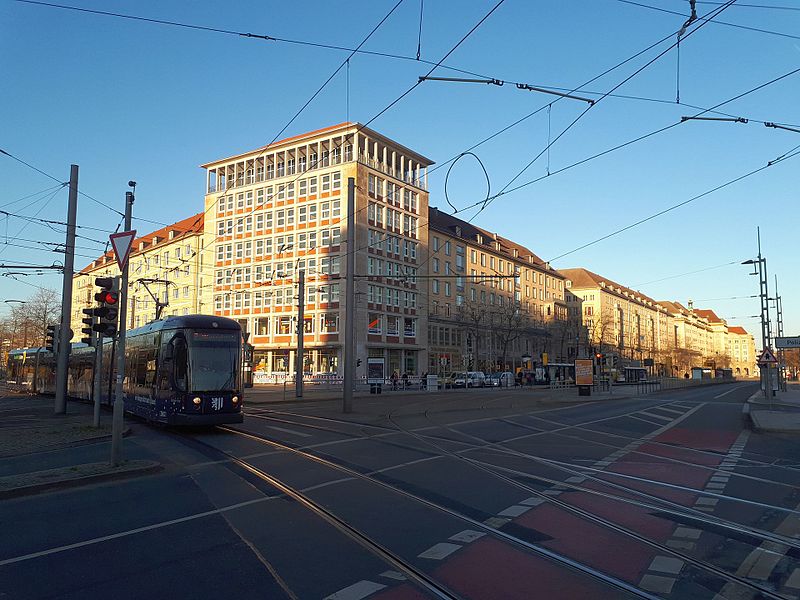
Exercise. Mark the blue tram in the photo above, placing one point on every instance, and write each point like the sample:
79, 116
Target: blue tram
180, 370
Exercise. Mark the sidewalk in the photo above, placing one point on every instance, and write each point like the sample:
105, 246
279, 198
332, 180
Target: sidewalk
780, 415
30, 433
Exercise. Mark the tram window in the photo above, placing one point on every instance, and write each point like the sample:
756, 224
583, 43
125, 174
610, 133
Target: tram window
181, 361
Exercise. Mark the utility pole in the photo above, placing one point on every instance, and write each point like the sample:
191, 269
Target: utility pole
779, 333
350, 300
298, 359
65, 334
98, 378
763, 295
119, 402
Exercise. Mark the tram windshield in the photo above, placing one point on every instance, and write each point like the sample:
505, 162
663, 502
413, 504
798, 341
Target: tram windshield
214, 361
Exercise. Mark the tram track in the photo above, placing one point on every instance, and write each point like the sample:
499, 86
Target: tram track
603, 522
679, 513
503, 536
421, 579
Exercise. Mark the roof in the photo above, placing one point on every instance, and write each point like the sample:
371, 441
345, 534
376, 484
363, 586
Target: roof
738, 330
347, 124
673, 307
584, 278
189, 225
445, 223
708, 314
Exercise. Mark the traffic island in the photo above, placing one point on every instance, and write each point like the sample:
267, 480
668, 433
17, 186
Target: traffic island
781, 414
36, 482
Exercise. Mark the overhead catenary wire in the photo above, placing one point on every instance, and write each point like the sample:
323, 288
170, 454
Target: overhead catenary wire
726, 23
786, 156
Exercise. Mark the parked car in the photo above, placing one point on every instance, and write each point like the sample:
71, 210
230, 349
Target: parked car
470, 379
504, 379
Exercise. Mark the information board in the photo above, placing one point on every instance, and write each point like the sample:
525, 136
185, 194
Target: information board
376, 372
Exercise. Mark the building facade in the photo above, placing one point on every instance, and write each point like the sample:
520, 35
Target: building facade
493, 304
277, 211
616, 320
742, 352
166, 267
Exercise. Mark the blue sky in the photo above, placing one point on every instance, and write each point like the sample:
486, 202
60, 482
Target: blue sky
133, 100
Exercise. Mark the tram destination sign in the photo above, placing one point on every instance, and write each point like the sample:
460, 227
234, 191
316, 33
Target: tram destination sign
788, 342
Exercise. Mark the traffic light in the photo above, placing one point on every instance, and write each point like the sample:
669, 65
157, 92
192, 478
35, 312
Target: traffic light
51, 340
599, 357
88, 330
615, 361
358, 362
107, 309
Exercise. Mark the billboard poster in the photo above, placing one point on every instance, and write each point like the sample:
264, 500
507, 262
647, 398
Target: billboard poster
583, 371
376, 372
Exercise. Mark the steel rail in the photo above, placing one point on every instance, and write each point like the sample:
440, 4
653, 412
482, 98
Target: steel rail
549, 554
700, 564
412, 572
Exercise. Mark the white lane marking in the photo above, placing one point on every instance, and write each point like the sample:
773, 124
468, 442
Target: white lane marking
288, 431
496, 522
659, 585
514, 511
670, 410
396, 575
687, 532
733, 389
666, 564
707, 501
121, 534
656, 416
357, 591
794, 580
643, 420
533, 501
466, 536
440, 551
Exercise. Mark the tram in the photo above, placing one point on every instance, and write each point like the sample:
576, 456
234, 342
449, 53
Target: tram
180, 370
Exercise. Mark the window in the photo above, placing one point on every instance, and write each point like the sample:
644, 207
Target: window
312, 185
409, 327
447, 247
374, 323
392, 325
302, 187
325, 183
284, 325
434, 286
329, 322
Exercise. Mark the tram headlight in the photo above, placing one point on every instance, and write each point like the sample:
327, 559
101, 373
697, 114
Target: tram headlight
196, 401
235, 399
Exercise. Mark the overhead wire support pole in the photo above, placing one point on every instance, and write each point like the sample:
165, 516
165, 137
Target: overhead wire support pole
299, 358
119, 402
350, 301
65, 334
779, 333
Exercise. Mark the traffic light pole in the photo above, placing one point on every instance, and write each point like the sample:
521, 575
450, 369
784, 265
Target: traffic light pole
65, 335
298, 359
97, 379
350, 300
119, 403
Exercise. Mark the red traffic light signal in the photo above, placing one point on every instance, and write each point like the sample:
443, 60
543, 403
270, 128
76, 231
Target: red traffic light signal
598, 356
107, 297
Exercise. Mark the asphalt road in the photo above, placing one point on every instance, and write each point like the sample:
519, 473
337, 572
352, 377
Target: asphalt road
449, 496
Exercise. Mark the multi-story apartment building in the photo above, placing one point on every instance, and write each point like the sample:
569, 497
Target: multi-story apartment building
742, 352
165, 266
691, 339
281, 209
616, 319
491, 301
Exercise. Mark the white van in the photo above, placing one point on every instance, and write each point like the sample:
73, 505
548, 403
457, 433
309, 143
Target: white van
475, 379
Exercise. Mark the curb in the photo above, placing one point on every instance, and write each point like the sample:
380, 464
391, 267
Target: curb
137, 467
73, 444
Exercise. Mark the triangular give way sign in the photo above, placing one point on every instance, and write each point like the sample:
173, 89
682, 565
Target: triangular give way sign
122, 243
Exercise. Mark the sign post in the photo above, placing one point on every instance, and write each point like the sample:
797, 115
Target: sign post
766, 361
583, 376
121, 242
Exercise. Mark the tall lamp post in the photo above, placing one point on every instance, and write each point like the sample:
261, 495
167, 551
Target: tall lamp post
760, 266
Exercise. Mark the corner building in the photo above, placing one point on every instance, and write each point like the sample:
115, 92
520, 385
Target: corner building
280, 209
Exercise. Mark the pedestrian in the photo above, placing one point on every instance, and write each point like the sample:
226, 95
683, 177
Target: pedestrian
405, 380
394, 380
423, 381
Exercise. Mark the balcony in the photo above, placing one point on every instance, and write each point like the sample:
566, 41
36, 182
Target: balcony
387, 170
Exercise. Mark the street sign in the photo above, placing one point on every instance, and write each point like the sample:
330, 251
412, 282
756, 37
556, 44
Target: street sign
376, 371
122, 243
767, 358
788, 342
